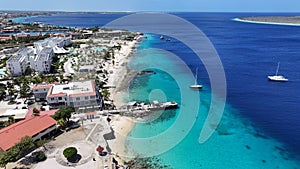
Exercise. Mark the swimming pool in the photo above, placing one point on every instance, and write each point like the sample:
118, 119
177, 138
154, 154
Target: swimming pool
2, 71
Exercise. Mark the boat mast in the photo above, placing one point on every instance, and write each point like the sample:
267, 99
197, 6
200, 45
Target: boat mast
196, 76
277, 68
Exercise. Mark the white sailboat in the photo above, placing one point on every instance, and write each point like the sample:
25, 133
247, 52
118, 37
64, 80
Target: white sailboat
195, 85
277, 77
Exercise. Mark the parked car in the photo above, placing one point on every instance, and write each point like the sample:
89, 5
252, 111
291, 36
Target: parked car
74, 126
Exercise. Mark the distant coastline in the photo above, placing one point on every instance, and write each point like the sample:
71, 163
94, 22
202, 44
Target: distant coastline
273, 20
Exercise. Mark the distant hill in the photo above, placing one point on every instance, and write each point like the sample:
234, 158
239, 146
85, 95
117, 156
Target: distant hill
274, 19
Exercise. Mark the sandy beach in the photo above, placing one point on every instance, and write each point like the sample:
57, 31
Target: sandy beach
120, 78
121, 75
121, 126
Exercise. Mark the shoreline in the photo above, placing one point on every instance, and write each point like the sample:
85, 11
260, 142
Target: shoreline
122, 126
121, 74
245, 20
120, 78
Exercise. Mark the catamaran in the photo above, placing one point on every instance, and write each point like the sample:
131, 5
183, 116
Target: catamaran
277, 77
195, 85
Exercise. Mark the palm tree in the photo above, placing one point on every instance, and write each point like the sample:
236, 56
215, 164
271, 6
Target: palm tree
62, 122
11, 120
105, 93
35, 112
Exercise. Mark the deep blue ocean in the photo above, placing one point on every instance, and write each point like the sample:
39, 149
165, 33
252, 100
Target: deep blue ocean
261, 119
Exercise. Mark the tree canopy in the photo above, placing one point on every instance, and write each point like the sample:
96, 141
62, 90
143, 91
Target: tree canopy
63, 113
35, 112
105, 93
2, 91
17, 151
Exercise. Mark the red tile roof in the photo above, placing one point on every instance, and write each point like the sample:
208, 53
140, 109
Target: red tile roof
90, 113
49, 112
29, 127
61, 94
29, 113
46, 112
42, 87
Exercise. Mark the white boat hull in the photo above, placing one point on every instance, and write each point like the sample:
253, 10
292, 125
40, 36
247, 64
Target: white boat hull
278, 78
196, 86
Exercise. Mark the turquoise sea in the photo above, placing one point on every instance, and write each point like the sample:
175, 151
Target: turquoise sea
260, 125
235, 144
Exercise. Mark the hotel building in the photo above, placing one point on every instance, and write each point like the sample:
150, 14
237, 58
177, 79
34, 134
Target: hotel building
18, 63
76, 94
38, 58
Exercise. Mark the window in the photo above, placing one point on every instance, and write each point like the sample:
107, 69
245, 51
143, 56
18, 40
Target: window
59, 98
52, 99
78, 98
92, 97
86, 98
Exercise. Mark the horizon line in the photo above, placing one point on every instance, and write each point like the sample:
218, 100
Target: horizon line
94, 11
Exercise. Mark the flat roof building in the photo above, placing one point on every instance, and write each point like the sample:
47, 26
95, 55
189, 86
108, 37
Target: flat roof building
76, 94
52, 42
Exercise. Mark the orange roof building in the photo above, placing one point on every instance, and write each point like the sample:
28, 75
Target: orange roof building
29, 113
35, 127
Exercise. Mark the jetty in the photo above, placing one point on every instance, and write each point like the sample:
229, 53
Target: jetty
155, 105
145, 72
140, 109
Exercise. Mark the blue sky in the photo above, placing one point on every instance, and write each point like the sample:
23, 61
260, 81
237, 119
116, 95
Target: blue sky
154, 5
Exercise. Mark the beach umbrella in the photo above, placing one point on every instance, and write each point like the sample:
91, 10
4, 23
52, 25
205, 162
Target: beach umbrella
100, 149
108, 119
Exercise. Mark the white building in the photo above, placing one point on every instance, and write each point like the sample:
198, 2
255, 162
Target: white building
38, 58
76, 94
27, 58
18, 63
57, 43
115, 34
43, 60
41, 91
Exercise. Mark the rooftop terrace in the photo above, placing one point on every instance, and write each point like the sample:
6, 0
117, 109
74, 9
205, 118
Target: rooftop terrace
74, 89
44, 54
20, 55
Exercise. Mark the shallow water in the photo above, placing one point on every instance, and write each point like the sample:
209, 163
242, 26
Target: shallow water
235, 144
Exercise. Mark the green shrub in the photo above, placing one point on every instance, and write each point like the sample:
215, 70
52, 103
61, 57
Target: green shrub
70, 152
41, 156
40, 143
